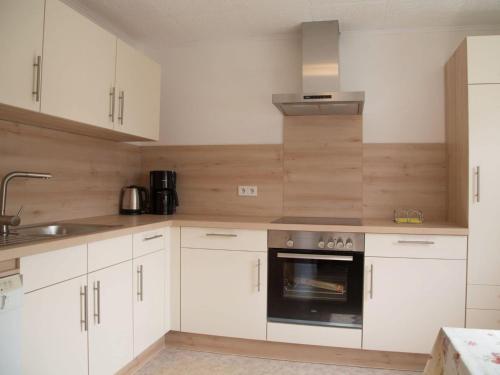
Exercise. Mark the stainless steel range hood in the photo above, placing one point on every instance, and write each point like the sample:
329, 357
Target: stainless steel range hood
321, 93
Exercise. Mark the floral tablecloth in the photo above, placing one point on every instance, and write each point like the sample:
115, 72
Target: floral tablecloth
463, 351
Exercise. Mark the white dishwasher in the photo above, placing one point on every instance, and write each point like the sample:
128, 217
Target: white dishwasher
11, 298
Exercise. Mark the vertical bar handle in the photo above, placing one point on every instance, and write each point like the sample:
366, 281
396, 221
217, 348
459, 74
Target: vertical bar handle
258, 275
371, 281
121, 104
112, 94
37, 65
140, 281
97, 302
83, 308
477, 193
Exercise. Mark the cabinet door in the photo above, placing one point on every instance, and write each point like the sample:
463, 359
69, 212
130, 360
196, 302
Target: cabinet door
221, 293
79, 67
483, 53
110, 319
149, 300
138, 81
54, 338
484, 133
407, 301
21, 35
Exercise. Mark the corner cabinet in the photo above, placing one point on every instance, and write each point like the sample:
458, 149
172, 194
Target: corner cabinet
81, 79
224, 282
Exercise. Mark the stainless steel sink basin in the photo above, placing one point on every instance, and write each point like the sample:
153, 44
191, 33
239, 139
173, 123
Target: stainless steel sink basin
40, 232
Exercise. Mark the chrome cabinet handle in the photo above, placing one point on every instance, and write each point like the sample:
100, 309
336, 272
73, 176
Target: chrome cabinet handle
97, 302
258, 275
477, 193
112, 94
121, 108
415, 242
221, 235
37, 65
84, 309
152, 237
371, 281
3, 301
342, 258
140, 285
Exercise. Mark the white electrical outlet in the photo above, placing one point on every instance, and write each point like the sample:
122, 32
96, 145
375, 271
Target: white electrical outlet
247, 191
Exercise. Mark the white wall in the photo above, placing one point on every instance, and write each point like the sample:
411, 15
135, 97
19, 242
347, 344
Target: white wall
220, 93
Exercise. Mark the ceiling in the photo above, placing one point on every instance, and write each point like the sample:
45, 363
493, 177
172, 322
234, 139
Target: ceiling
173, 22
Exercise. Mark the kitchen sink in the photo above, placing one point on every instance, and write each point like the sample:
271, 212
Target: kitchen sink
34, 233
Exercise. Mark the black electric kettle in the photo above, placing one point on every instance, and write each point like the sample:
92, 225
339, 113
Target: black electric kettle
133, 200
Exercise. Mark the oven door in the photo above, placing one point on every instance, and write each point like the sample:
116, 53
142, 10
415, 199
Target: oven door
315, 287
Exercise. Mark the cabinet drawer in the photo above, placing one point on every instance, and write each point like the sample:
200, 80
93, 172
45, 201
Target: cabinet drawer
149, 242
45, 269
483, 319
483, 297
109, 252
416, 246
224, 239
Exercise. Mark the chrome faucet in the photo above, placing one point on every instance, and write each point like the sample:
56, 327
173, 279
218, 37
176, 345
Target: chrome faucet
5, 220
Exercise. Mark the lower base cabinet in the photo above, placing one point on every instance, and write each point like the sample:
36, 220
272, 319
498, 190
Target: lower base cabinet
110, 319
54, 330
223, 293
149, 300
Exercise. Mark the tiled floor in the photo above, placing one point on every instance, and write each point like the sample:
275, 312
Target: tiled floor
172, 361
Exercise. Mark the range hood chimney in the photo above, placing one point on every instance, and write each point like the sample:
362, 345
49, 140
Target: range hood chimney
321, 93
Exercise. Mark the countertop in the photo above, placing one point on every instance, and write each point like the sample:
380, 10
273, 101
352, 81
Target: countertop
135, 224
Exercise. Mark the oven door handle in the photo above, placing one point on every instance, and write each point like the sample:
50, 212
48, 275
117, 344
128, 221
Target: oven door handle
342, 258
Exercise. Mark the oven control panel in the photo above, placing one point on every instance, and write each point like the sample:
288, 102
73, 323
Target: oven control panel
306, 240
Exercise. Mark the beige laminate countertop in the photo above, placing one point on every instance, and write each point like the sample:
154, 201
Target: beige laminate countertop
135, 224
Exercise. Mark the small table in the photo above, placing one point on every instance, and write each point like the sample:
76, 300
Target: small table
463, 351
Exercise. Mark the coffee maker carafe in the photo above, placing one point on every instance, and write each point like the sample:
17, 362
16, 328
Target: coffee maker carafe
163, 192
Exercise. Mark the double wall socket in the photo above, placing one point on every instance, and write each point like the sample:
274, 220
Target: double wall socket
247, 191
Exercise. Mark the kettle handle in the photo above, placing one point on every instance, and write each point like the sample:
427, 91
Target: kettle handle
145, 199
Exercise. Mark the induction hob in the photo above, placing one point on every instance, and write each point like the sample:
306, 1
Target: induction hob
318, 220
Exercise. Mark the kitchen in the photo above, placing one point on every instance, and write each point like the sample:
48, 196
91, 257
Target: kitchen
294, 147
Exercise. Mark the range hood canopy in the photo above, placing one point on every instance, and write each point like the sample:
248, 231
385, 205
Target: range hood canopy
321, 93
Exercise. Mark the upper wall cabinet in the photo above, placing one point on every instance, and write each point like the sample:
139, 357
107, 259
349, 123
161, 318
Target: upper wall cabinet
79, 67
483, 54
138, 88
21, 36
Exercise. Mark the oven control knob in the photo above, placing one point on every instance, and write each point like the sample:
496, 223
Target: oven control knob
330, 244
321, 244
340, 244
289, 243
348, 244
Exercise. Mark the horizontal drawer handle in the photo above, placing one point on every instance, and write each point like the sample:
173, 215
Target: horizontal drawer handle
405, 242
221, 235
342, 258
152, 237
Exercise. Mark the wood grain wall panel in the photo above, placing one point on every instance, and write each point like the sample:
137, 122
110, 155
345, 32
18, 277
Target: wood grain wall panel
323, 166
88, 173
405, 175
457, 136
208, 177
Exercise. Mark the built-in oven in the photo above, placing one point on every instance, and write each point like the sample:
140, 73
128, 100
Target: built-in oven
316, 278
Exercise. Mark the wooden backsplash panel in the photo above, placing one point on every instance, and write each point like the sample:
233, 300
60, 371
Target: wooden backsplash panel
88, 173
323, 166
411, 175
208, 177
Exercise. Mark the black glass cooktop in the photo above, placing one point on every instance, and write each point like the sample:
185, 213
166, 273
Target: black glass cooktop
318, 220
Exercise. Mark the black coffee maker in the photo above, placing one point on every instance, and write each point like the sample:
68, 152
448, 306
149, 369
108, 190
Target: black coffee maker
163, 195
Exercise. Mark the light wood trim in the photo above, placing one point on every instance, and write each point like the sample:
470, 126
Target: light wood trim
27, 117
296, 352
9, 267
143, 358
457, 136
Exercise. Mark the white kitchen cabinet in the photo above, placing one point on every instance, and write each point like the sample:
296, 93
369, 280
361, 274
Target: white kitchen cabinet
483, 54
149, 299
173, 289
54, 332
79, 67
407, 301
224, 293
138, 81
21, 36
110, 319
